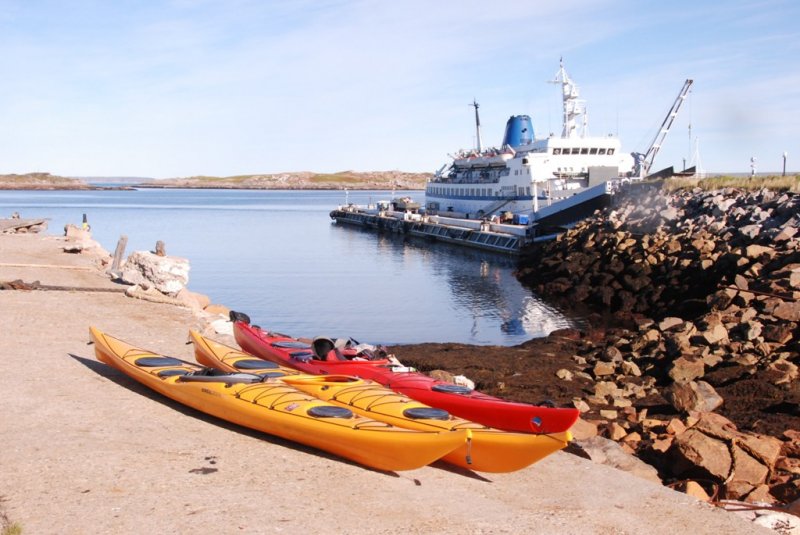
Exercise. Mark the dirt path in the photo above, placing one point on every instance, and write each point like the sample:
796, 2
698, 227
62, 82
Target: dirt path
86, 450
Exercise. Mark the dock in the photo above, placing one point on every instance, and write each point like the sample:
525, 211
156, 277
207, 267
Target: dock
493, 233
475, 233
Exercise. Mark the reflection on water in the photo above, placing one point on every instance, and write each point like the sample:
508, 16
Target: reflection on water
277, 256
482, 288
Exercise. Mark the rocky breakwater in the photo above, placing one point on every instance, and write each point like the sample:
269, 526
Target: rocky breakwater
695, 367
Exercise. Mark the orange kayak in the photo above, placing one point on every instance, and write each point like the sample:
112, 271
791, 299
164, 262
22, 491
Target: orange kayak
279, 409
487, 450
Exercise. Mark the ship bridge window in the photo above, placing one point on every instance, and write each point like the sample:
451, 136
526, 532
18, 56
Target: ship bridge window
585, 150
601, 151
611, 151
576, 150
593, 151
556, 151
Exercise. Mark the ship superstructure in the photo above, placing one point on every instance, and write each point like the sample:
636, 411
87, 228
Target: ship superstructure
529, 176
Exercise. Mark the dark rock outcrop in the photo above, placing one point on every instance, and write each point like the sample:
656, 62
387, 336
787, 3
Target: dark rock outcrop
699, 295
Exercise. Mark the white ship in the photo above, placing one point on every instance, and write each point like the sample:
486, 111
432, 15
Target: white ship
503, 199
531, 178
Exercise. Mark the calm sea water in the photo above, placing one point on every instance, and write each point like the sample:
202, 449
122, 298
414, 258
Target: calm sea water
277, 256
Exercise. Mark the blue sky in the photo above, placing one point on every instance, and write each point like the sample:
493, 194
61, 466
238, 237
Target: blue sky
189, 87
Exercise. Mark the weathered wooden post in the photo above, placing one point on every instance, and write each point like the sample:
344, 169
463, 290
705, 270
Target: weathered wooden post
120, 250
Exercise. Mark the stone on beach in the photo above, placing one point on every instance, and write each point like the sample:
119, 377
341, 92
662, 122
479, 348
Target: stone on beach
697, 396
168, 274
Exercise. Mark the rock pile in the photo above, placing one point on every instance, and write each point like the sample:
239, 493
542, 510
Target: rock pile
167, 274
699, 376
17, 225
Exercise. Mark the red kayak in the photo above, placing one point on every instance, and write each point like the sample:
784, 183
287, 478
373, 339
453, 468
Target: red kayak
324, 356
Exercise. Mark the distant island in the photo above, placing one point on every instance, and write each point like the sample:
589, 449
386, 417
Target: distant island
301, 180
297, 180
41, 181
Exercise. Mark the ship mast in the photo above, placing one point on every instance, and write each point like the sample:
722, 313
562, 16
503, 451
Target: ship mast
477, 125
573, 106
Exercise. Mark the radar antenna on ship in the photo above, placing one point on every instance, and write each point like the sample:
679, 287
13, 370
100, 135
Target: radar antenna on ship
477, 125
574, 107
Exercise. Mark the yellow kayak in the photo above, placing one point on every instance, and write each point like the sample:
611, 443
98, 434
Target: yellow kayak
274, 407
487, 450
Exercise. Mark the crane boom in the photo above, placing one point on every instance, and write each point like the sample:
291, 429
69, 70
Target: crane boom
645, 160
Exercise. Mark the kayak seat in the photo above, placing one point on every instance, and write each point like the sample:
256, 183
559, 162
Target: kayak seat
173, 372
302, 356
290, 344
156, 362
253, 364
229, 378
278, 335
426, 413
329, 411
267, 375
450, 388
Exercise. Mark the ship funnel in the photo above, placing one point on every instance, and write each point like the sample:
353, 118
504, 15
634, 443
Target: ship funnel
519, 131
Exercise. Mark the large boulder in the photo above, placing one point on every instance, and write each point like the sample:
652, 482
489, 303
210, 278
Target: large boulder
695, 453
697, 396
168, 274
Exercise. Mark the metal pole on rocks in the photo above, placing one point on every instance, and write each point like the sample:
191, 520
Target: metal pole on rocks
785, 154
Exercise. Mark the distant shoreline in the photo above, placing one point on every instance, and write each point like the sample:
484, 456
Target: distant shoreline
381, 180
89, 187
299, 181
277, 188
